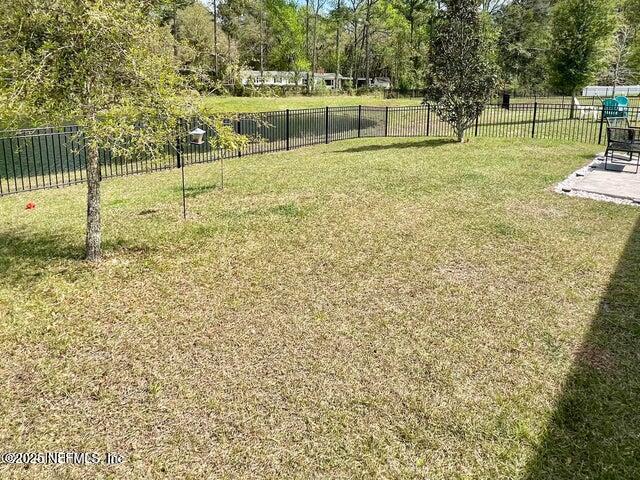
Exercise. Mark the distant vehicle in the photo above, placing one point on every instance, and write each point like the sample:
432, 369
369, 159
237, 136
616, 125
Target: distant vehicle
375, 82
382, 82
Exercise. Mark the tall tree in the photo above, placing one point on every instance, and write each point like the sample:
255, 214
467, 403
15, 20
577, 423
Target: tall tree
618, 69
168, 10
523, 42
631, 14
369, 6
214, 10
339, 16
101, 63
241, 22
462, 70
355, 51
316, 7
287, 52
408, 63
413, 11
195, 30
580, 30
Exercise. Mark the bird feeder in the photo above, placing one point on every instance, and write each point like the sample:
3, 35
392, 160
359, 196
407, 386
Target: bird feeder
197, 136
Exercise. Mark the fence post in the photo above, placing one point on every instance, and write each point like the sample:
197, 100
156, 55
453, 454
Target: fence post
601, 125
359, 120
286, 127
386, 121
428, 118
535, 113
239, 130
178, 147
477, 120
326, 125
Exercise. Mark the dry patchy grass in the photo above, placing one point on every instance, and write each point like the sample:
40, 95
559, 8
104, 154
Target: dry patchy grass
368, 309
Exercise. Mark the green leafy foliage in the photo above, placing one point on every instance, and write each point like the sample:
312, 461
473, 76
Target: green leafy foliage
580, 30
631, 12
522, 43
287, 53
463, 73
104, 64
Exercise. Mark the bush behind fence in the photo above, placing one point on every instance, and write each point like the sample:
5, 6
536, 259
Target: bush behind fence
55, 156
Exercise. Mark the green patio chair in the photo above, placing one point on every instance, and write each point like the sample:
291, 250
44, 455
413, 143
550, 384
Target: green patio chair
610, 108
623, 105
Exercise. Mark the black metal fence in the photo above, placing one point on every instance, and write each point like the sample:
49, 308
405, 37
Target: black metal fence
55, 157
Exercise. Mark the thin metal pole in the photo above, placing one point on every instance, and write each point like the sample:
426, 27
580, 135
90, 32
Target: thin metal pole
535, 113
386, 121
221, 173
428, 118
359, 120
239, 130
601, 125
287, 127
184, 193
326, 125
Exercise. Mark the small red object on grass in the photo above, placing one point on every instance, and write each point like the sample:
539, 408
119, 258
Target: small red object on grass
31, 206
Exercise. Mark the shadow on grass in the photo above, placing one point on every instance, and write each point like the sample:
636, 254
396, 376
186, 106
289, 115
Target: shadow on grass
27, 256
193, 192
434, 142
196, 191
595, 430
36, 249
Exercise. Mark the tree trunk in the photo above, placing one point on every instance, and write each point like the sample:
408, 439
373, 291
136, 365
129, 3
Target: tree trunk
336, 86
262, 35
367, 66
314, 50
215, 37
412, 27
367, 41
306, 30
460, 129
93, 241
174, 32
355, 67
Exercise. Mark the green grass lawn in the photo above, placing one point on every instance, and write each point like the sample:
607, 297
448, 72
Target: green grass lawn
375, 308
216, 104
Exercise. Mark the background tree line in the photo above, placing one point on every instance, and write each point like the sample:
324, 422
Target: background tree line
542, 46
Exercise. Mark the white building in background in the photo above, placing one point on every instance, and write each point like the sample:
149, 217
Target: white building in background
329, 80
275, 78
608, 91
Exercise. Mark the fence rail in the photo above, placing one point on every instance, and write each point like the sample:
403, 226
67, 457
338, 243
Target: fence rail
54, 157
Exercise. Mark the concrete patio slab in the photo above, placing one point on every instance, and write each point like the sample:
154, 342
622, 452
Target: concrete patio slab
619, 183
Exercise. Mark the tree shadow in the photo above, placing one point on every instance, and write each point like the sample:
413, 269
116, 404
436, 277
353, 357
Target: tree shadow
595, 430
197, 190
25, 257
39, 248
432, 142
